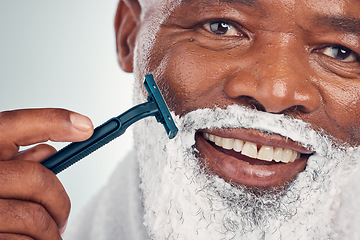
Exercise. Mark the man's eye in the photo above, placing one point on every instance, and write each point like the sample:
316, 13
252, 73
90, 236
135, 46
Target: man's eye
221, 28
341, 53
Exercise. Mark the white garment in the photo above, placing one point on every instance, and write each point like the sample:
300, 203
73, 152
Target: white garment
116, 212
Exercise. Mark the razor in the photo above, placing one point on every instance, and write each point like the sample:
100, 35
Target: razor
113, 128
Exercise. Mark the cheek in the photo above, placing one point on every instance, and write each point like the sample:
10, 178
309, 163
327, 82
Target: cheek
192, 79
342, 106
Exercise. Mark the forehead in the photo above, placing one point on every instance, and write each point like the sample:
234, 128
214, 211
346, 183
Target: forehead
342, 15
325, 5
350, 8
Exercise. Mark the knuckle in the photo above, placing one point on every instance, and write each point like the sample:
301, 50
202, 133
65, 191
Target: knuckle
42, 180
38, 218
56, 114
7, 147
29, 218
64, 206
38, 178
58, 122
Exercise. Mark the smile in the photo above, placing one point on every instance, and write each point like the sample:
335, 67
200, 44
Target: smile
252, 150
250, 157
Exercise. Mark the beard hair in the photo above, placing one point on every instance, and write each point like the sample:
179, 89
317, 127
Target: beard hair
183, 201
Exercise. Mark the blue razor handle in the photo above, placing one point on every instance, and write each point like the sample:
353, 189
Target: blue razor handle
113, 128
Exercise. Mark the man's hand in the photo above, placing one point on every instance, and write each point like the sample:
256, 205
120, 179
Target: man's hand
33, 203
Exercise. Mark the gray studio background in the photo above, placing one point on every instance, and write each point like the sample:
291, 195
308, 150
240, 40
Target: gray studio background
62, 54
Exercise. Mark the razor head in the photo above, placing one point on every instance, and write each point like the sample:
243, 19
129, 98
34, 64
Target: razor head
163, 115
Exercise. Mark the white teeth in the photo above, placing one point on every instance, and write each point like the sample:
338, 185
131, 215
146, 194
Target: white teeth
228, 143
218, 141
278, 154
266, 153
238, 145
294, 156
249, 149
286, 156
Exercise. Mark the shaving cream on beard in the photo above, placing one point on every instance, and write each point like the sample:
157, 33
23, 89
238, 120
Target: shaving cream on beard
181, 201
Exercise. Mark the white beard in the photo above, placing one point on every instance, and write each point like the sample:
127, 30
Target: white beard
183, 202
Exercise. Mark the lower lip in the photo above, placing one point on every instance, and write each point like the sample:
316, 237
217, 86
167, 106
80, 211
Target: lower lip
262, 174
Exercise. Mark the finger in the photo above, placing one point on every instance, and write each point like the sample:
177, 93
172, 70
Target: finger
35, 154
30, 126
27, 218
30, 181
10, 236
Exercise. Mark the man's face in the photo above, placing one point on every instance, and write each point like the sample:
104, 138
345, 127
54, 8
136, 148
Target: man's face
298, 58
266, 95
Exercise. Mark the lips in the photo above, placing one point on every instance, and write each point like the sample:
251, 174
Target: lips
250, 157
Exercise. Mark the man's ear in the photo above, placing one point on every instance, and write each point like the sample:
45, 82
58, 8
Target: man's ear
127, 23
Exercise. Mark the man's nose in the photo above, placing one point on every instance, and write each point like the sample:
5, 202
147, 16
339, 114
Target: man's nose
279, 79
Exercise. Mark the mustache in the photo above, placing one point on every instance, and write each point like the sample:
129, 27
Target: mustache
236, 116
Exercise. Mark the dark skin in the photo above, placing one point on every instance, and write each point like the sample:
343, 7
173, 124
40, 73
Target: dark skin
33, 203
299, 58
273, 64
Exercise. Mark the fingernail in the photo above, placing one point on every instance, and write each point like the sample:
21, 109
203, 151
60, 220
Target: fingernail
62, 230
80, 122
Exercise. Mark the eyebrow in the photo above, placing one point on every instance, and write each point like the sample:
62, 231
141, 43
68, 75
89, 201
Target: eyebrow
341, 23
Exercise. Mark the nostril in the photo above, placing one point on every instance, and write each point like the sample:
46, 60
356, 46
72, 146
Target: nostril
251, 102
256, 104
290, 110
293, 109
